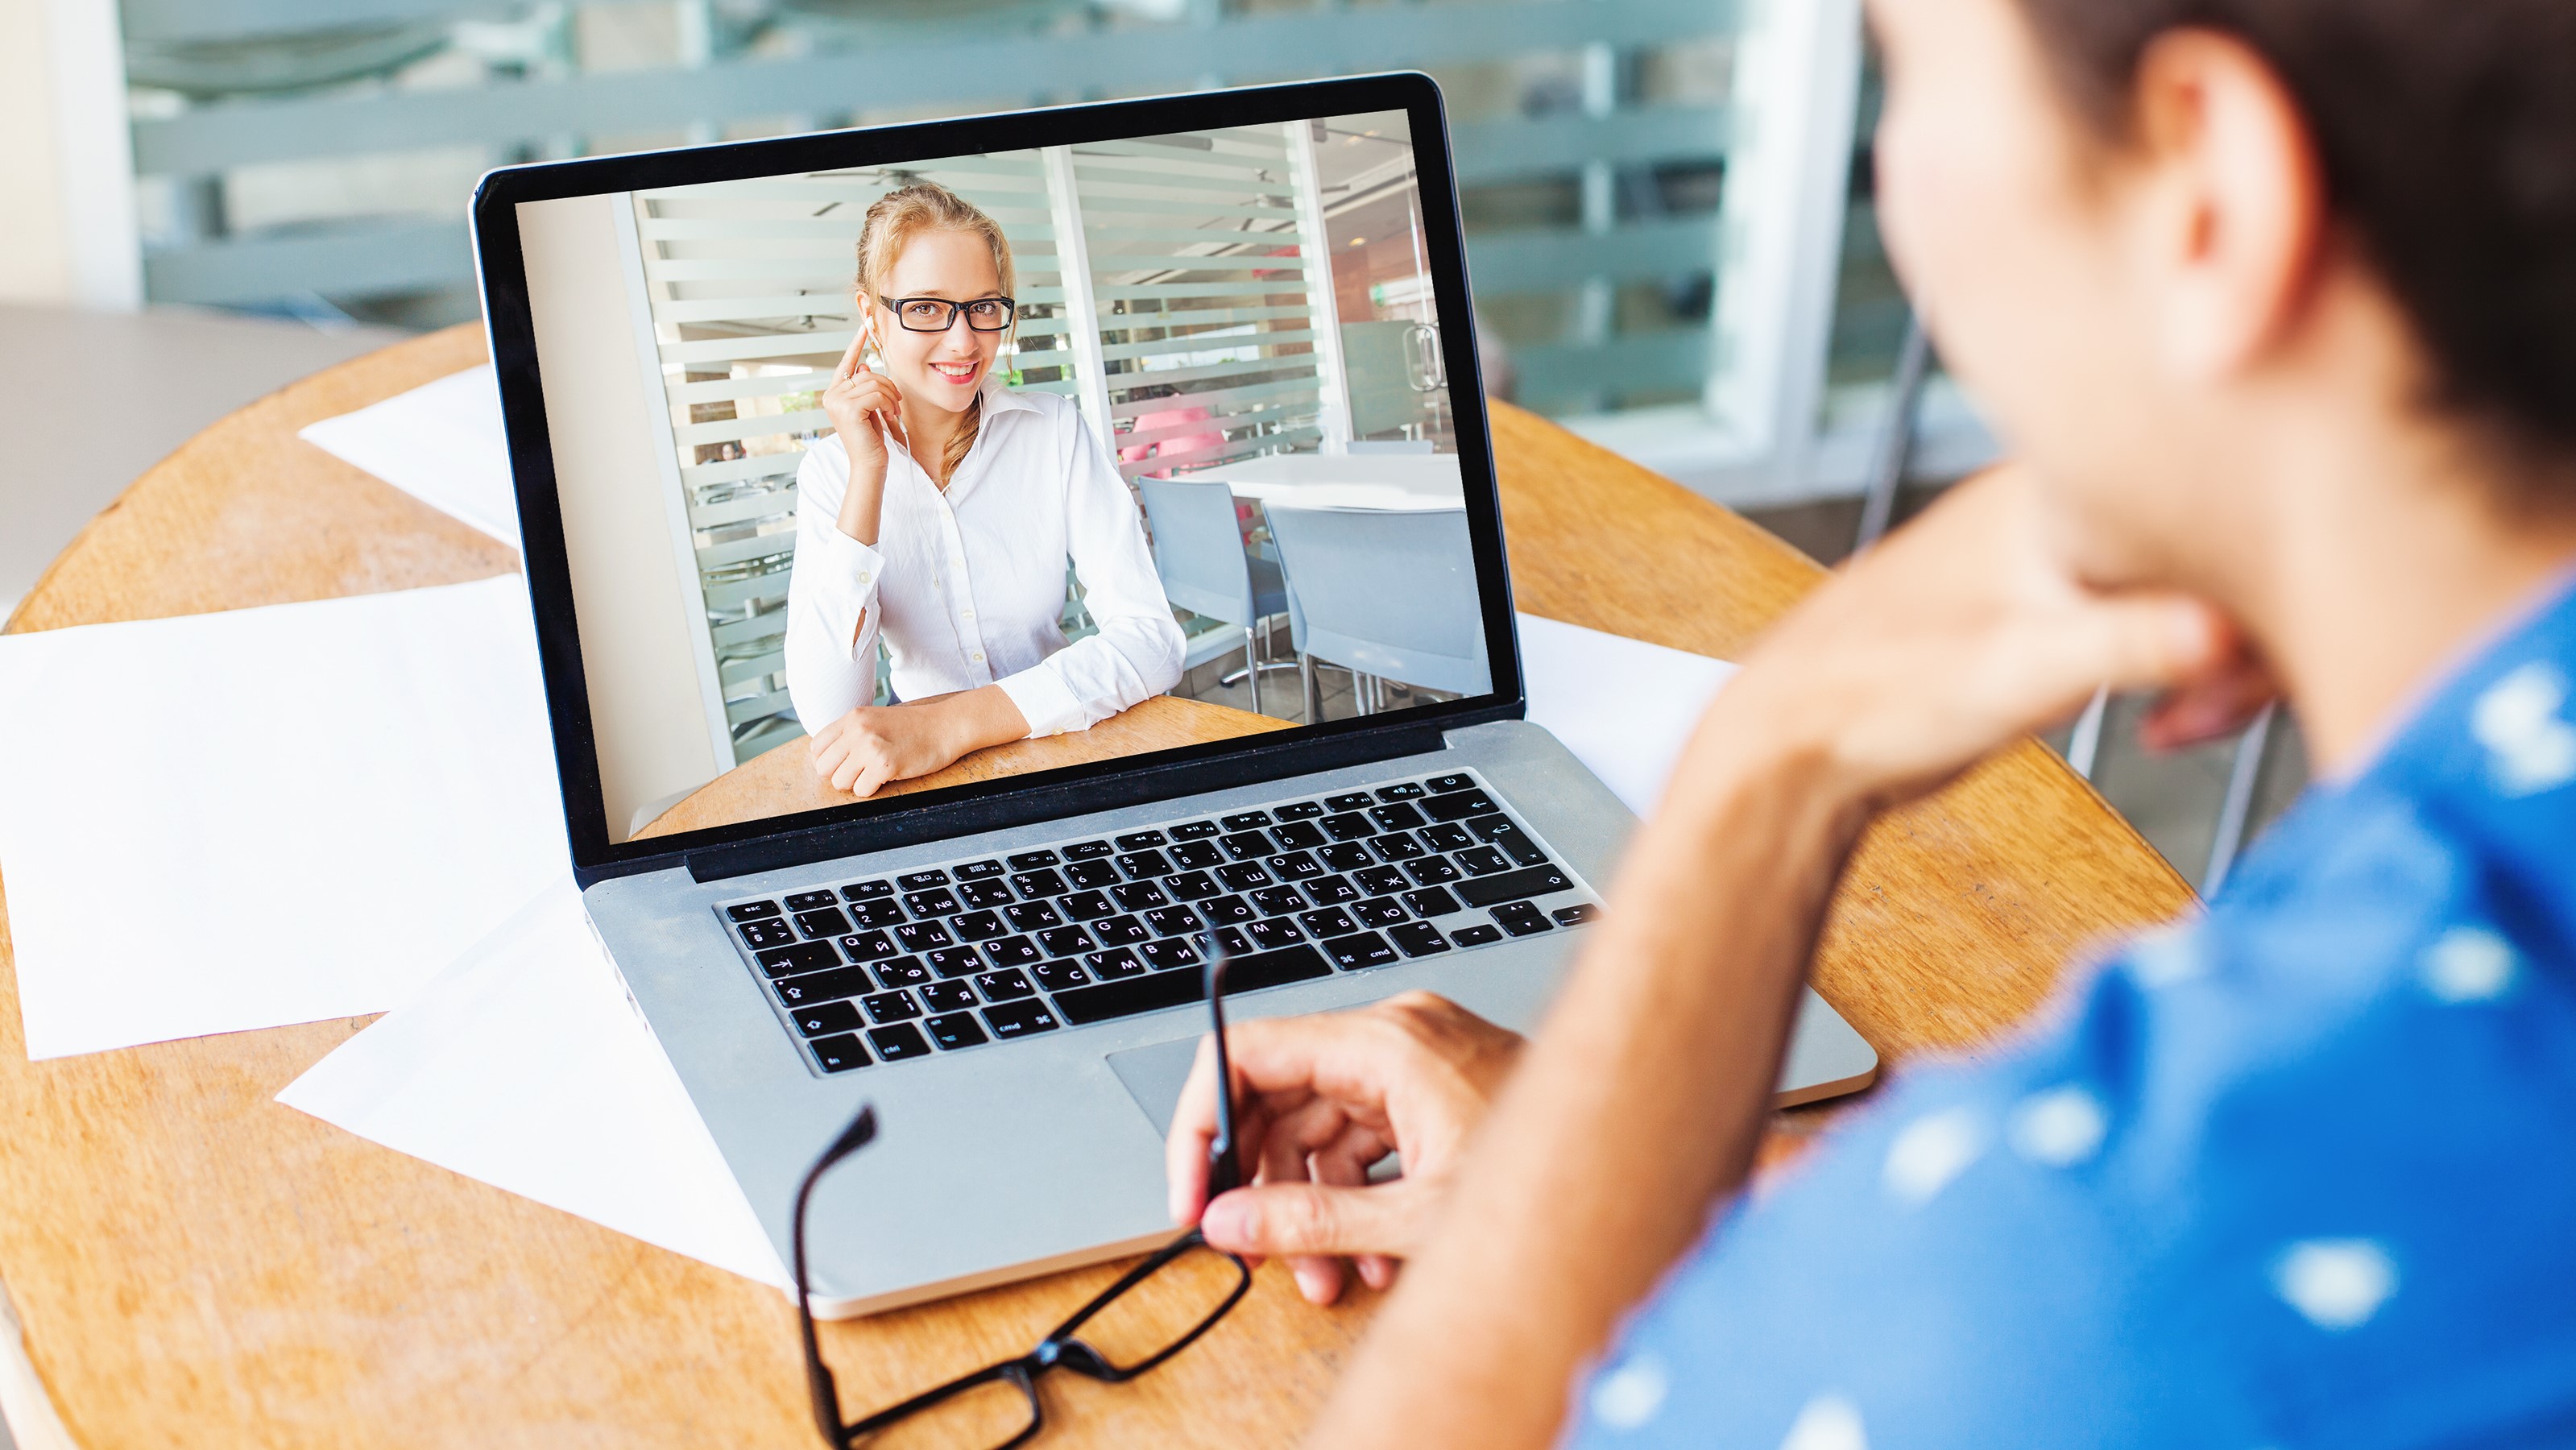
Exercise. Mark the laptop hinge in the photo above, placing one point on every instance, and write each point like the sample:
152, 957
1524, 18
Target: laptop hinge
1075, 798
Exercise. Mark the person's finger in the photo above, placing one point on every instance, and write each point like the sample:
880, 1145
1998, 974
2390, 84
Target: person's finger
1282, 1219
1185, 1147
871, 780
861, 755
851, 363
1337, 1164
2210, 707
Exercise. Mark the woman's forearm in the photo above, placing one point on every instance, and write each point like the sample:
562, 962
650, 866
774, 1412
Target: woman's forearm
1638, 1105
970, 720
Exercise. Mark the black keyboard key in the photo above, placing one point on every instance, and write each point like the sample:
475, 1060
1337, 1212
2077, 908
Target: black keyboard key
1087, 851
979, 870
1172, 921
1431, 870
1449, 836
1273, 934
752, 910
1157, 990
1163, 956
923, 936
955, 1030
1522, 850
1451, 784
1032, 860
1521, 919
1378, 912
867, 890
1119, 931
1232, 941
894, 1044
1114, 965
1279, 900
1506, 833
1195, 831
1140, 840
828, 922
1513, 886
1243, 876
985, 894
1022, 1019
1139, 895
1145, 865
1246, 820
1005, 986
1404, 791
1399, 846
955, 961
1344, 856
1349, 826
1087, 906
814, 987
1331, 891
1299, 835
1091, 875
812, 956
1012, 951
1296, 866
902, 972
1460, 806
891, 1007
948, 996
1354, 953
1197, 855
880, 912
773, 932
1431, 901
1380, 880
1225, 909
826, 1017
979, 926
1330, 921
1193, 886
1065, 941
1476, 936
1396, 817
1245, 845
867, 946
1039, 884
839, 1054
1297, 811
1575, 915
812, 900
938, 902
1419, 939
922, 880
1058, 976
1356, 800
1482, 861
1031, 916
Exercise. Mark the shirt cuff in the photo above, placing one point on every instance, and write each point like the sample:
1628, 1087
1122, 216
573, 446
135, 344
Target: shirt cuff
1050, 707
845, 573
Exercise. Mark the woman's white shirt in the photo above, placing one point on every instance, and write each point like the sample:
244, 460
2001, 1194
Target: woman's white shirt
967, 586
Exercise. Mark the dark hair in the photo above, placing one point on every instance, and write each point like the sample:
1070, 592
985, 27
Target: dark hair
2447, 132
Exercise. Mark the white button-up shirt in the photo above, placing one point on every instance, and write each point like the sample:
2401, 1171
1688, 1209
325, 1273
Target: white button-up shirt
966, 586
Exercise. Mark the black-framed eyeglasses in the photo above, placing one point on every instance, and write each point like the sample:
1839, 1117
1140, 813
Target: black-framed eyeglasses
938, 314
1154, 1311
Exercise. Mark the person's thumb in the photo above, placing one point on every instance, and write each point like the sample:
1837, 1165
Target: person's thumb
1304, 1218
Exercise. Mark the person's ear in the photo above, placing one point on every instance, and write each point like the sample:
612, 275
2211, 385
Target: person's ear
2233, 209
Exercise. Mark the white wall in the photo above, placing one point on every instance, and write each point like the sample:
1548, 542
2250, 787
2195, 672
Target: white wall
35, 257
68, 168
637, 652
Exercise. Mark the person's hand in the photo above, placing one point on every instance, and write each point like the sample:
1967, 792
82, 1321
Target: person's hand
874, 744
866, 409
1961, 632
1321, 1100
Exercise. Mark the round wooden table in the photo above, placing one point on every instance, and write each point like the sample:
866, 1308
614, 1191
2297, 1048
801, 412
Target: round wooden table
194, 1264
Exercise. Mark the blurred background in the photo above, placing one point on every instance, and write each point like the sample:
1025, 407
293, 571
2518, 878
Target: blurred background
1668, 203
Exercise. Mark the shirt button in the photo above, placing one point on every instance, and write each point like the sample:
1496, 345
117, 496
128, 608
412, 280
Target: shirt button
970, 614
977, 657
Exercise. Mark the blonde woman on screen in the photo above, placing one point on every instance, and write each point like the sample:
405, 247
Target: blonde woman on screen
940, 517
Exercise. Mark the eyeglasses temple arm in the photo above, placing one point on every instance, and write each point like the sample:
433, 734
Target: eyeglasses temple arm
824, 1390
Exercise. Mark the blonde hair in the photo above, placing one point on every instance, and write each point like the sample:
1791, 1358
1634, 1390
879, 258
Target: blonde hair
893, 220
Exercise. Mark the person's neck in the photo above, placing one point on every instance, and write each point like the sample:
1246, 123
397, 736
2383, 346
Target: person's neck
930, 429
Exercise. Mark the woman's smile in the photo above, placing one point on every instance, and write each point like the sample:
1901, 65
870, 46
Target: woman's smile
960, 371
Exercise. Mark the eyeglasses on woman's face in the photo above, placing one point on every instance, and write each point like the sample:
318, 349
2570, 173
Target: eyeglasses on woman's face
938, 314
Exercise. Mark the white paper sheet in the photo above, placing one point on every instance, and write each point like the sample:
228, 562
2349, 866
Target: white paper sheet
525, 1066
241, 820
441, 443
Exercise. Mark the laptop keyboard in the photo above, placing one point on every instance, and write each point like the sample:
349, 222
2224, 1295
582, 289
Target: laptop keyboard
1088, 931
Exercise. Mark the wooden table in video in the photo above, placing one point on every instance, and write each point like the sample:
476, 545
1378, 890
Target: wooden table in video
194, 1264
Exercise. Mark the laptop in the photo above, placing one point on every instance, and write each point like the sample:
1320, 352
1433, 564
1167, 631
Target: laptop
1254, 297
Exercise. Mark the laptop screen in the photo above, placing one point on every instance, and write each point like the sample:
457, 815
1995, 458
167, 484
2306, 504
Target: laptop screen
885, 473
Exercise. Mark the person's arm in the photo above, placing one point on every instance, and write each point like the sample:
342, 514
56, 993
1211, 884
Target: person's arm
1640, 1103
1137, 653
831, 646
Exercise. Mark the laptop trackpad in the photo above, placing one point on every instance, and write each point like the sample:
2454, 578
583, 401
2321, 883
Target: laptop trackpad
1154, 1076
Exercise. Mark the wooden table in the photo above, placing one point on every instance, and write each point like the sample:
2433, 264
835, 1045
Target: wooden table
196, 1265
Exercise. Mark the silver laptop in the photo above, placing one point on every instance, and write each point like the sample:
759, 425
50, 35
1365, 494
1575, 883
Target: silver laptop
1240, 317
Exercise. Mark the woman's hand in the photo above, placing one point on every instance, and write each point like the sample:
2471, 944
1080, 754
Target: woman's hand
866, 409
874, 744
1324, 1098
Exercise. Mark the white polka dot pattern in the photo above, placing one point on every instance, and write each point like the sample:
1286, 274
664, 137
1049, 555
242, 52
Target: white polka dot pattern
2468, 964
2058, 1128
2530, 748
1628, 1396
1930, 1152
1829, 1422
2337, 1283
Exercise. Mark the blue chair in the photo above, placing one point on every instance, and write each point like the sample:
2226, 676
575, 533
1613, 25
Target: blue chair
1198, 551
1385, 594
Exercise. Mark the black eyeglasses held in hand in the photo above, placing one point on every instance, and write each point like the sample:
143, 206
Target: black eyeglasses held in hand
1154, 1311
